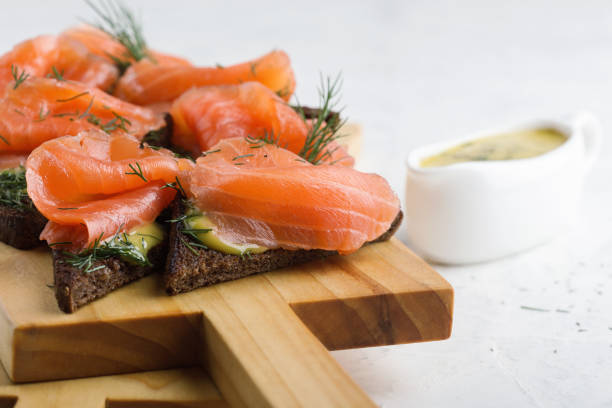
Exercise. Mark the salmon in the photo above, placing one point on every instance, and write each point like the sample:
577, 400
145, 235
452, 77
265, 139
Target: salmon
103, 45
93, 185
269, 196
71, 59
41, 109
97, 42
147, 82
204, 116
12, 160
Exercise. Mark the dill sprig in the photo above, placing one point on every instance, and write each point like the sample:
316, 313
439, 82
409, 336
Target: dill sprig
204, 154
324, 128
267, 138
18, 77
176, 185
185, 229
122, 65
284, 91
242, 156
73, 97
42, 115
137, 171
13, 189
56, 74
3, 139
118, 21
117, 246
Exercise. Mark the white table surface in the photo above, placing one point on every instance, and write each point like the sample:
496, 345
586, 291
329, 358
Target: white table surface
418, 72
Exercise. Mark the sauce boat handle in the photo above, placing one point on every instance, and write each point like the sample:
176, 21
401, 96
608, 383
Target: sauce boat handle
587, 125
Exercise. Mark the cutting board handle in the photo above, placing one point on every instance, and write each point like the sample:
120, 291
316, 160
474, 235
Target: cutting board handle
260, 354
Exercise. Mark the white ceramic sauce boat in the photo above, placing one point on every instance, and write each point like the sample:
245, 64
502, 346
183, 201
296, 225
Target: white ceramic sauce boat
482, 210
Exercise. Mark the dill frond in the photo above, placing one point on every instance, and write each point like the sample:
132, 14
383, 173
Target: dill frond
18, 77
118, 21
325, 126
118, 246
13, 189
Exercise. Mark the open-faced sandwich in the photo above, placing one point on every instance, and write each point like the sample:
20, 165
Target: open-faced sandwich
127, 161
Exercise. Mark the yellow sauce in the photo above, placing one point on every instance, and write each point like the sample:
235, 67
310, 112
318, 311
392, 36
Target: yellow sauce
506, 146
146, 237
213, 241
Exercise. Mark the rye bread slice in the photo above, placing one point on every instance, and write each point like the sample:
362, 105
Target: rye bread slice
160, 137
21, 228
74, 288
189, 268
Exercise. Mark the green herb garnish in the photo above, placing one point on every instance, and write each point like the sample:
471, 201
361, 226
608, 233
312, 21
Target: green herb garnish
192, 233
204, 154
242, 156
119, 22
86, 113
137, 171
18, 77
59, 243
73, 97
13, 189
324, 128
116, 247
56, 74
257, 142
42, 115
284, 91
121, 64
176, 185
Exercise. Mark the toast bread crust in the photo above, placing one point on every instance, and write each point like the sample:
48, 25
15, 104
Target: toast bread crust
21, 228
74, 288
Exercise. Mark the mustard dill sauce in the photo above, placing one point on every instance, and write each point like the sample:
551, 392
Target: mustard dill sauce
505, 146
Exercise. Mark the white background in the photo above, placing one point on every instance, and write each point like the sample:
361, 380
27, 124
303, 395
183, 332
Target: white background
418, 72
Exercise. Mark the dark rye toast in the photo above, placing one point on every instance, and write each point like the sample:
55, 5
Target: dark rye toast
20, 222
189, 267
75, 288
21, 228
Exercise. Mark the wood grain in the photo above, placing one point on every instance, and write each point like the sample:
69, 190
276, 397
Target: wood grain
261, 355
180, 388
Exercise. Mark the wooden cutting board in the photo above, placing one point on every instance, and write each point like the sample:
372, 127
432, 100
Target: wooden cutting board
262, 339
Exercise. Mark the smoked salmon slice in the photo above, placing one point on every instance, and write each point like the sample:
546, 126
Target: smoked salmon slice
204, 116
103, 45
58, 55
148, 82
40, 109
97, 42
265, 195
12, 160
93, 185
